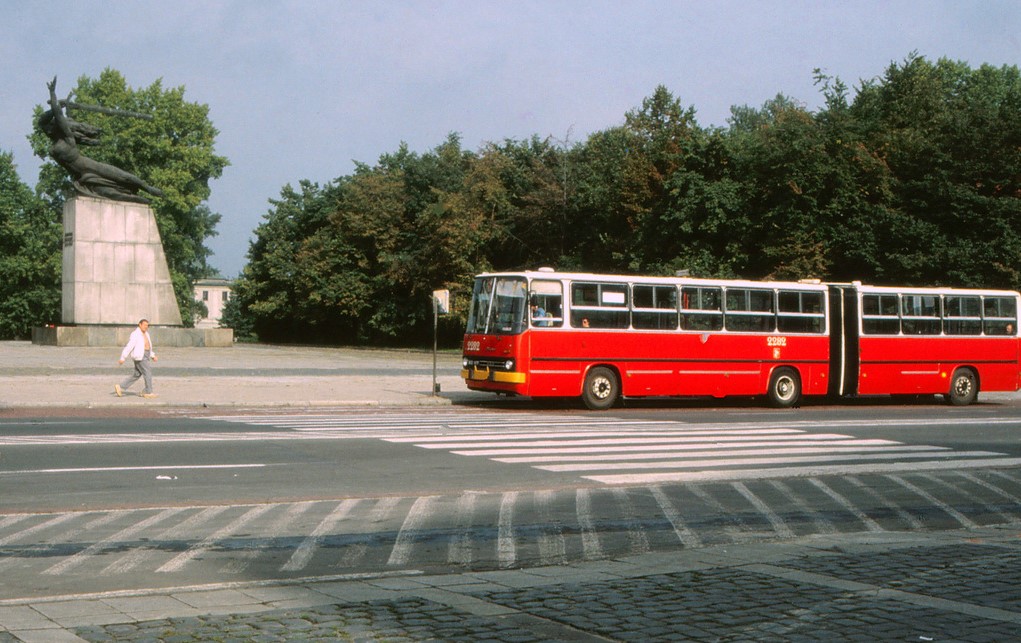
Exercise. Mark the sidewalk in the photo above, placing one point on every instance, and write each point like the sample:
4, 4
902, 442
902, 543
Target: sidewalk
244, 375
959, 586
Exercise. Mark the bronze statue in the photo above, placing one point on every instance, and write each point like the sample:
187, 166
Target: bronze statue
90, 177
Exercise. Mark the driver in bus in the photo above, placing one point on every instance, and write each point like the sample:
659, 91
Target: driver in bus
539, 317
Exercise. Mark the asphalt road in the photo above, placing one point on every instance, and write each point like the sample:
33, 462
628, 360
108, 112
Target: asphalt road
180, 458
172, 497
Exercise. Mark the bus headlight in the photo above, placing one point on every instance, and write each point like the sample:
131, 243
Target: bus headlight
509, 365
465, 362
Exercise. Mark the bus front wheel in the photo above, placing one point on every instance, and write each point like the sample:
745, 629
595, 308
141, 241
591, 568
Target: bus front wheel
601, 389
963, 387
784, 388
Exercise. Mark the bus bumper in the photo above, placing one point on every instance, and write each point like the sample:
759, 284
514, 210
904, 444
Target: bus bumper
475, 374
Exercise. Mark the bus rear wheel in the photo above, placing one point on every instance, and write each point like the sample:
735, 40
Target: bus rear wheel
784, 388
963, 387
601, 389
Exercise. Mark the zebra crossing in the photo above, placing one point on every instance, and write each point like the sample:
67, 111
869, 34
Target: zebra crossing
596, 447
174, 546
618, 451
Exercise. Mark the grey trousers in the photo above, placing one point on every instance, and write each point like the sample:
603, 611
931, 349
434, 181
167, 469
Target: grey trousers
143, 369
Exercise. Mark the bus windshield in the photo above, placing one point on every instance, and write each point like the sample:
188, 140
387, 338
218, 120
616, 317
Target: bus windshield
498, 306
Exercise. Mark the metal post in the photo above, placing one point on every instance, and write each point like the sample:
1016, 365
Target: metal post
436, 321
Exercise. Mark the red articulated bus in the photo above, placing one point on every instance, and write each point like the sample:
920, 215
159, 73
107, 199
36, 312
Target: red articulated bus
602, 337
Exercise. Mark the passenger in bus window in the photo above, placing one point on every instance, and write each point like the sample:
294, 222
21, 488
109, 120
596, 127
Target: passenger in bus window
994, 327
584, 322
539, 317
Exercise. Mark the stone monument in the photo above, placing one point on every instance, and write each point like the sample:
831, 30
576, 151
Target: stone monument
114, 268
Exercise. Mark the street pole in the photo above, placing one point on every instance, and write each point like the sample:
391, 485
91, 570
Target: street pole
441, 304
436, 322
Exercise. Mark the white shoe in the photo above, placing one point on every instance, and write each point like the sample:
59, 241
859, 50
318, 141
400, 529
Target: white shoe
118, 390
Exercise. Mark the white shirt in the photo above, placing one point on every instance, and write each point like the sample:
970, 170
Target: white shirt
136, 346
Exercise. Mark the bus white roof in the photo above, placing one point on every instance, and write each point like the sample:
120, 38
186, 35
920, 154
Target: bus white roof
911, 290
642, 279
546, 273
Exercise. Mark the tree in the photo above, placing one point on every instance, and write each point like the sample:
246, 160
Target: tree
173, 151
512, 210
951, 138
30, 268
265, 292
623, 175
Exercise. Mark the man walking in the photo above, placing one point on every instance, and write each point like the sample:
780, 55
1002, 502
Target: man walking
140, 349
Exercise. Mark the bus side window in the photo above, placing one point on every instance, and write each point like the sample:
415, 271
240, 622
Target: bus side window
548, 298
962, 315
750, 310
654, 307
921, 315
879, 315
999, 315
600, 305
700, 308
800, 312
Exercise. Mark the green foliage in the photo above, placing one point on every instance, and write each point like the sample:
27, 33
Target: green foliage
173, 151
29, 266
235, 317
913, 179
951, 138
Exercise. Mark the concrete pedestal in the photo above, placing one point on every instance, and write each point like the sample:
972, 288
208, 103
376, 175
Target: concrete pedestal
115, 271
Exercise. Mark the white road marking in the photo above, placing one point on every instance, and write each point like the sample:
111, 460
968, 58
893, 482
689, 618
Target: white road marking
463, 440
960, 490
70, 535
733, 527
459, 550
720, 504
590, 545
779, 526
52, 522
240, 560
552, 546
147, 468
383, 509
182, 529
625, 446
621, 454
996, 490
822, 525
702, 461
688, 537
109, 541
950, 511
409, 531
304, 552
207, 543
639, 542
7, 521
700, 451
889, 504
794, 472
506, 547
869, 523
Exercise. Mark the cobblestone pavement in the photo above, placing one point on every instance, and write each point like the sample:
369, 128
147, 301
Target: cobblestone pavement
949, 586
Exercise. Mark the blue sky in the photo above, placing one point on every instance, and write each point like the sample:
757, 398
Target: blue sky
303, 89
